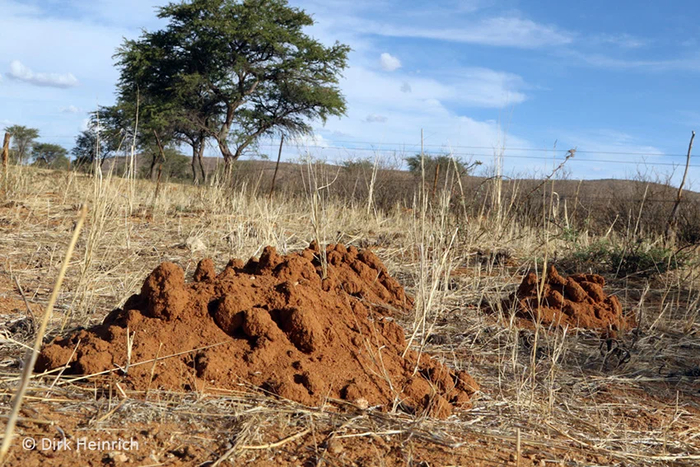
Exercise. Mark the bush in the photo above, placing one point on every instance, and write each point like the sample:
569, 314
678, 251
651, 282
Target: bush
431, 162
176, 166
51, 156
639, 259
358, 165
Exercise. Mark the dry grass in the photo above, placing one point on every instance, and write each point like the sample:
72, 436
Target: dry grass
564, 396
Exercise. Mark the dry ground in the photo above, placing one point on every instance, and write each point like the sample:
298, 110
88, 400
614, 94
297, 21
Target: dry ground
547, 397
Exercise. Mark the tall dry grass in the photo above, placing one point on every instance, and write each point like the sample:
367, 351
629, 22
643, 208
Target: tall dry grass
442, 246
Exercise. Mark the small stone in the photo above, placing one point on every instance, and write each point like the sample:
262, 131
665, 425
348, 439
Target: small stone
335, 446
118, 457
195, 244
362, 403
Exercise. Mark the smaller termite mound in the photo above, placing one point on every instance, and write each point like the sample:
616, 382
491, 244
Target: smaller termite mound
576, 301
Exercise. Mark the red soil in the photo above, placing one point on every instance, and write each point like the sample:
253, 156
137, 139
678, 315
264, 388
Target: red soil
275, 323
578, 301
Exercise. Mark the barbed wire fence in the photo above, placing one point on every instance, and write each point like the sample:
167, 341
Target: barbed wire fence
588, 188
527, 162
350, 148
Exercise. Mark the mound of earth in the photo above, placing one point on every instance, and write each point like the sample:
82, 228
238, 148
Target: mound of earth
279, 323
578, 301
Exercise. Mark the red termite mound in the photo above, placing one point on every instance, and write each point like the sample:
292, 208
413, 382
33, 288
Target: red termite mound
281, 323
578, 301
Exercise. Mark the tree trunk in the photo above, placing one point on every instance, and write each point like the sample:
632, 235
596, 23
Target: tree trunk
222, 137
239, 151
223, 147
161, 159
154, 160
195, 150
228, 171
200, 155
157, 157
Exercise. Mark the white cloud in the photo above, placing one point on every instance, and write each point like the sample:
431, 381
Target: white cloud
470, 87
375, 118
313, 140
21, 72
498, 31
71, 109
80, 44
489, 88
448, 20
374, 96
389, 62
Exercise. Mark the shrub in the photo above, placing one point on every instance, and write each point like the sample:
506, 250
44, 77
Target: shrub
176, 166
49, 155
431, 162
639, 259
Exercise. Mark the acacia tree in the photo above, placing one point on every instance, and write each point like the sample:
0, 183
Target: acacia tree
50, 155
23, 138
159, 124
182, 119
234, 71
441, 163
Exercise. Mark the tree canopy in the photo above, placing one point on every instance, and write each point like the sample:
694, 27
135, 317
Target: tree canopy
174, 165
232, 71
23, 138
50, 155
444, 162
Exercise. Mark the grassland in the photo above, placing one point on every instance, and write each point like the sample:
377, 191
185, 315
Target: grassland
548, 396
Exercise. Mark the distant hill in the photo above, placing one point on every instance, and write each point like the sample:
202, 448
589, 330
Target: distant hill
261, 171
590, 204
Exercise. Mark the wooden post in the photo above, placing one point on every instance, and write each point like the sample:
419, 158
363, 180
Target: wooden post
274, 177
6, 151
5, 157
673, 219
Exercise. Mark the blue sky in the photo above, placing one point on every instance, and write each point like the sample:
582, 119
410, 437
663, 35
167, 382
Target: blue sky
476, 75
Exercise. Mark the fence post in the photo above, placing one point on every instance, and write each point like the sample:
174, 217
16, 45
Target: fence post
5, 157
6, 150
673, 219
277, 166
